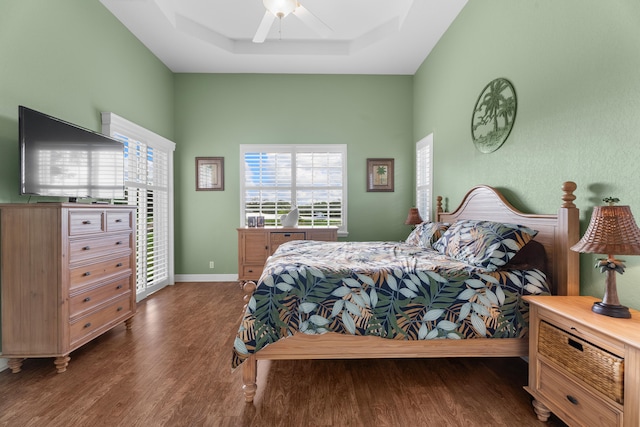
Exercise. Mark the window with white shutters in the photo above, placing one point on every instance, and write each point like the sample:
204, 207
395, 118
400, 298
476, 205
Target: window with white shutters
424, 176
276, 178
148, 186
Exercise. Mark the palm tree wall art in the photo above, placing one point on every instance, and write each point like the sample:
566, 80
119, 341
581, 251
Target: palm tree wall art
493, 115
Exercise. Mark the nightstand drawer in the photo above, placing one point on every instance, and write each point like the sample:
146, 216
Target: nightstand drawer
575, 401
598, 368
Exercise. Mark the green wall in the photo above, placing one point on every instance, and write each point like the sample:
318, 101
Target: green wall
575, 67
217, 113
72, 59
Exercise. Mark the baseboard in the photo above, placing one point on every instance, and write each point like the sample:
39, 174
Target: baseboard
206, 278
3, 364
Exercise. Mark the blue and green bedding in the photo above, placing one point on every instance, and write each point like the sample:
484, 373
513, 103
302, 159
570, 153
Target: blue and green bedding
394, 290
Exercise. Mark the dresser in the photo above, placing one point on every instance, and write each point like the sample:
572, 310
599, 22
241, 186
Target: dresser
67, 276
584, 367
256, 244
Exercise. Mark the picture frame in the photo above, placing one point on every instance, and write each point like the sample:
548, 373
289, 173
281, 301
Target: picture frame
209, 173
380, 175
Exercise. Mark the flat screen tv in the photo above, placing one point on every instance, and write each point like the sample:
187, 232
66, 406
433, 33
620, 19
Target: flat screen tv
61, 159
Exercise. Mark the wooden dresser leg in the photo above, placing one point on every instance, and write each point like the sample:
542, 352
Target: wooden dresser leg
249, 374
542, 411
61, 363
128, 323
15, 365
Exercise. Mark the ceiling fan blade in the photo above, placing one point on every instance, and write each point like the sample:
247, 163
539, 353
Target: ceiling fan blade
265, 26
312, 21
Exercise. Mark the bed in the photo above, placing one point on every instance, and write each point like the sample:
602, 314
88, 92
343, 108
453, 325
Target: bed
345, 326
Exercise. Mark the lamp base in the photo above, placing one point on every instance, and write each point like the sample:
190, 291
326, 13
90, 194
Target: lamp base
619, 311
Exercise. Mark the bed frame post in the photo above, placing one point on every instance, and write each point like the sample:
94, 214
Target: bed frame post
249, 376
249, 366
569, 225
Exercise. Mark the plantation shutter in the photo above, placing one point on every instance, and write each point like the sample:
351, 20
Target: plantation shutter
149, 187
424, 176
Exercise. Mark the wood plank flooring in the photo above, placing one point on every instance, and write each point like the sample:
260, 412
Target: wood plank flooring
173, 369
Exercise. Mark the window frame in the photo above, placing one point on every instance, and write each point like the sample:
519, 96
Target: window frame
294, 149
424, 177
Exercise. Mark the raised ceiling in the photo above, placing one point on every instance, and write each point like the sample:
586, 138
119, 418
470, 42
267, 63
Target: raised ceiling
215, 36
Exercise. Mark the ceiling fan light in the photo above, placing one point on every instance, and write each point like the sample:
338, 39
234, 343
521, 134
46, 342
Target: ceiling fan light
280, 8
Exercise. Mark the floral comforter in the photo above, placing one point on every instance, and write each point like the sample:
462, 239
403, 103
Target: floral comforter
388, 289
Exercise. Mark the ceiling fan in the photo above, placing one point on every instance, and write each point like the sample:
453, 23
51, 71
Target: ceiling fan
280, 9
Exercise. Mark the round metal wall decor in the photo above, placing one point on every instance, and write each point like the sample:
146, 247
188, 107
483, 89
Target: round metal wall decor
494, 115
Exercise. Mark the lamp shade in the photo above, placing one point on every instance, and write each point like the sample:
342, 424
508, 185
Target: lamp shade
413, 218
612, 230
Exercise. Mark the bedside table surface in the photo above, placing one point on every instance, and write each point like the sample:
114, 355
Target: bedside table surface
578, 309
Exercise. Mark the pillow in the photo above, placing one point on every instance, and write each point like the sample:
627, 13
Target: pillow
484, 244
531, 256
425, 234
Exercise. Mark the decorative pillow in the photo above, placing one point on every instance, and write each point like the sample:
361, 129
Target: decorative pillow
425, 234
484, 244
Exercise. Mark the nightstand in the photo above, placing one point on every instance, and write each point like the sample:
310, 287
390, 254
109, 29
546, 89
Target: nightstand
583, 367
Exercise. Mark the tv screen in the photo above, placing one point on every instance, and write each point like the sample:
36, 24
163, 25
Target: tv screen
61, 159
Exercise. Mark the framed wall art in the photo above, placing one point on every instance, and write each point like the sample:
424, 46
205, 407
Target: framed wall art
493, 115
380, 175
209, 173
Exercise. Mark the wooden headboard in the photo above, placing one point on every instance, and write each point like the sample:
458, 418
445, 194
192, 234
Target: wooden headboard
556, 232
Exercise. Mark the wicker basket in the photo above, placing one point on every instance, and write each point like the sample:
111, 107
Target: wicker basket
597, 367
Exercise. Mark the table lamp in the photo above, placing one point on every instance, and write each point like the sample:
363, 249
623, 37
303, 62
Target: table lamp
413, 217
612, 230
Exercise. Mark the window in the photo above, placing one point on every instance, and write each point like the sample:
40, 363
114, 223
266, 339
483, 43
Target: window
148, 174
424, 176
311, 177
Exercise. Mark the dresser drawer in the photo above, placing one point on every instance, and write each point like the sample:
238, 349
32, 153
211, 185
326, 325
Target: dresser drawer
97, 322
81, 249
83, 302
575, 401
279, 238
598, 368
119, 220
92, 273
85, 221
252, 272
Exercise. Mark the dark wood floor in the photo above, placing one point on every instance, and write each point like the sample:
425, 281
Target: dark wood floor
173, 369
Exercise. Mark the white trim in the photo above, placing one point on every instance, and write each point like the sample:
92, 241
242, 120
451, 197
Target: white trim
206, 278
3, 364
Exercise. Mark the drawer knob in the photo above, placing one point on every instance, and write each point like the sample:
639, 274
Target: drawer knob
87, 325
119, 264
86, 221
572, 399
86, 248
119, 242
88, 273
87, 299
119, 287
118, 220
119, 308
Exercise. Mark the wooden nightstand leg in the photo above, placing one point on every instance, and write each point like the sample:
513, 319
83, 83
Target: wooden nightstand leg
61, 363
542, 411
15, 365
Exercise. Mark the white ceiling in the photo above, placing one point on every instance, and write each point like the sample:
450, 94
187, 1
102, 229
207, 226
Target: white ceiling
215, 36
